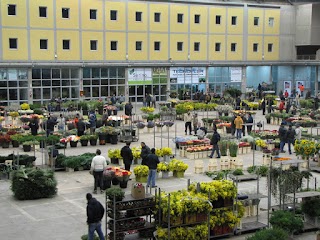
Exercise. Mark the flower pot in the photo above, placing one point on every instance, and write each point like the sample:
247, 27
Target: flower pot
5, 144
165, 174
15, 144
102, 142
93, 142
113, 139
26, 148
84, 143
115, 112
73, 144
178, 174
142, 179
115, 181
109, 112
137, 161
108, 138
123, 184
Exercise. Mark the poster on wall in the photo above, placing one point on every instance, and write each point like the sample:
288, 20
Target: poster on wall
187, 75
236, 74
287, 87
139, 76
300, 85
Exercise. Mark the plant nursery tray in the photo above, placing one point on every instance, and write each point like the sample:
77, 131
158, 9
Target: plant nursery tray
245, 177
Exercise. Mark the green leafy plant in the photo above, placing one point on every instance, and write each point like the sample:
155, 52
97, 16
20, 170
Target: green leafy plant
31, 143
93, 137
238, 172
85, 137
32, 183
141, 171
116, 193
287, 221
269, 234
311, 207
223, 146
178, 165
233, 148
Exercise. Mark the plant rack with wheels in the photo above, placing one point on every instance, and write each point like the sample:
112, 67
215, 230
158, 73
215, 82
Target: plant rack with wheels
128, 134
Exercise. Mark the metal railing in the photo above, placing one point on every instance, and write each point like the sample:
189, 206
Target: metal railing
307, 57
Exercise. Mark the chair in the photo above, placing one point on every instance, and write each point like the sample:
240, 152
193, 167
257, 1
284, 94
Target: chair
198, 166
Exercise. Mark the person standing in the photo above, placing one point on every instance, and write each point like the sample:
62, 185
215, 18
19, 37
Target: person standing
148, 99
145, 151
61, 123
126, 154
152, 163
263, 106
244, 119
128, 109
301, 87
34, 126
281, 106
195, 123
93, 122
249, 121
238, 122
50, 125
214, 142
283, 137
95, 212
187, 120
298, 132
233, 126
98, 164
290, 137
105, 117
81, 127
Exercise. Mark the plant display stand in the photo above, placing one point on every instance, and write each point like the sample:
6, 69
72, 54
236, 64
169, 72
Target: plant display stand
130, 216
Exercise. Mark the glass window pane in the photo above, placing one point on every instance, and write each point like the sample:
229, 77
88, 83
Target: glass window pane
13, 74
46, 73
121, 90
74, 92
95, 72
12, 84
3, 74
55, 82
104, 91
86, 82
86, 72
87, 91
65, 93
36, 73
113, 72
74, 73
13, 94
95, 82
95, 92
55, 73
23, 74
23, 94
74, 82
113, 90
3, 83
121, 81
121, 72
65, 73
104, 82
36, 83
36, 93
23, 83
46, 83
56, 92
65, 82
104, 72
3, 94
46, 93
113, 81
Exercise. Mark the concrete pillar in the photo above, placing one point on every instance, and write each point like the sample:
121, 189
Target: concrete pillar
243, 80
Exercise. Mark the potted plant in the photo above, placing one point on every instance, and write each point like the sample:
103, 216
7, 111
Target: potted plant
93, 138
163, 167
28, 144
223, 146
102, 133
178, 167
271, 233
115, 194
114, 136
268, 118
108, 175
5, 140
141, 172
136, 152
74, 140
311, 208
84, 139
166, 152
233, 149
287, 221
71, 163
114, 155
16, 138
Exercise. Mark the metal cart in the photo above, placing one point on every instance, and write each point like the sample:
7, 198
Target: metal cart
128, 134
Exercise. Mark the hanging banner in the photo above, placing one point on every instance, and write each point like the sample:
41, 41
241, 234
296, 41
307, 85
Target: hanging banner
139, 76
187, 75
287, 87
299, 86
236, 74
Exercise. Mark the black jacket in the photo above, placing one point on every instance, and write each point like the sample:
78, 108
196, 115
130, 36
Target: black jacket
215, 138
282, 134
128, 109
152, 161
126, 154
291, 133
145, 151
34, 126
50, 124
81, 126
95, 211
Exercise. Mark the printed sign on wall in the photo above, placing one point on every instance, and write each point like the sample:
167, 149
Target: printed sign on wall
187, 75
139, 76
236, 74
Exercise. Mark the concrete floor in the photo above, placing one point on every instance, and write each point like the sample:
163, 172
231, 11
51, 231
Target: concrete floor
64, 216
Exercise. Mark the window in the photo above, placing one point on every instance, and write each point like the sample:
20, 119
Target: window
196, 47
43, 43
233, 47
11, 9
114, 46
270, 47
180, 18
157, 17
65, 44
179, 46
233, 20
217, 47
65, 12
42, 11
197, 18
256, 21
138, 46
113, 15
13, 43
271, 21
93, 14
93, 45
138, 16
218, 19
157, 46
255, 47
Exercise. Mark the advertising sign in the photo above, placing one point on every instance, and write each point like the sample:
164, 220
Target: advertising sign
287, 87
187, 75
236, 74
139, 76
299, 86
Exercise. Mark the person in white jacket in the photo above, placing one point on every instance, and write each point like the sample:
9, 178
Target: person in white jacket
98, 164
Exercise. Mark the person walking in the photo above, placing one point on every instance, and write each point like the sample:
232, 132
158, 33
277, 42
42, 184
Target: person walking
95, 212
126, 154
148, 100
81, 127
290, 137
98, 164
233, 126
238, 122
283, 137
145, 151
195, 123
50, 125
214, 142
128, 109
263, 106
298, 131
61, 123
187, 120
152, 162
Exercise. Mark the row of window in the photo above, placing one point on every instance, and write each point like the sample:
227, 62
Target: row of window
13, 44
138, 16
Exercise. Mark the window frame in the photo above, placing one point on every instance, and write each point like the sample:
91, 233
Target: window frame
138, 15
217, 45
116, 15
234, 20
16, 43
233, 47
15, 9
46, 11
178, 47
179, 15
91, 45
159, 46
196, 46
63, 44
271, 20
137, 46
218, 17
68, 13
44, 41
197, 17
255, 47
155, 17
93, 13
270, 44
111, 45
256, 21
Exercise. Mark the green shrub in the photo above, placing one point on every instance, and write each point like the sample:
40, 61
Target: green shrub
311, 207
287, 221
269, 234
31, 183
263, 171
238, 172
252, 169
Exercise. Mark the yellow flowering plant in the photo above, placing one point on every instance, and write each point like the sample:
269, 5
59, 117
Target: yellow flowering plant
114, 153
147, 109
25, 106
261, 143
159, 152
163, 166
13, 114
141, 171
178, 165
305, 148
166, 151
136, 152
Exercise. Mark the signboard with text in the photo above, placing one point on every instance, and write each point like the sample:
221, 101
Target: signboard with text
187, 75
235, 74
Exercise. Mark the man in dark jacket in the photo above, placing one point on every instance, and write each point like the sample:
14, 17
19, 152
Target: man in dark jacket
214, 142
249, 121
126, 154
34, 126
50, 125
145, 151
291, 133
128, 109
95, 212
152, 162
283, 137
81, 127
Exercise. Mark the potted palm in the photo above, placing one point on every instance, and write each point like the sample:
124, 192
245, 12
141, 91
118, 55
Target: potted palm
141, 172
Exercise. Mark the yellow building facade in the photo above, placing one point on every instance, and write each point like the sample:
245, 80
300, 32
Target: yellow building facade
137, 31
